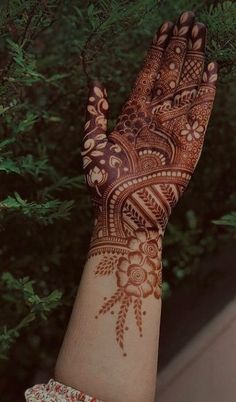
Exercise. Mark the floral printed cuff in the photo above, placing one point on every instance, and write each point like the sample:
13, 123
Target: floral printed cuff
54, 391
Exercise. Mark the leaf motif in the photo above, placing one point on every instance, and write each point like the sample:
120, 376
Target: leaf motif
164, 27
91, 109
138, 314
120, 323
117, 296
213, 78
161, 39
168, 192
204, 77
98, 92
133, 215
184, 17
190, 44
211, 67
154, 39
183, 31
197, 44
100, 137
87, 124
96, 153
107, 265
101, 145
175, 32
86, 161
104, 104
195, 31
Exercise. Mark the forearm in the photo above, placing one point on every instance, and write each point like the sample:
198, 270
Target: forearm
136, 175
92, 359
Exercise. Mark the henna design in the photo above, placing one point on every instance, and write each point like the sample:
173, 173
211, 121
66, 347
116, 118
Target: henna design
111, 302
137, 173
120, 324
107, 265
138, 314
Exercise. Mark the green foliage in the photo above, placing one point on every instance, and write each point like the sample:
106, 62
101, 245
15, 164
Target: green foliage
185, 244
222, 31
45, 212
227, 220
49, 51
14, 290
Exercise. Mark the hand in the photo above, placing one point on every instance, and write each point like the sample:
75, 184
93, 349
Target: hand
137, 173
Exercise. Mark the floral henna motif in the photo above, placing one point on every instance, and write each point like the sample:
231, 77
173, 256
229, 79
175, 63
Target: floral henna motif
193, 131
137, 173
138, 276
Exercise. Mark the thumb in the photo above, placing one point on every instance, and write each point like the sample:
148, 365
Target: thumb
95, 130
97, 108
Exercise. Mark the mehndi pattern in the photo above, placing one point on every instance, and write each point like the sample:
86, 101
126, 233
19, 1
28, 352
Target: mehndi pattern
138, 172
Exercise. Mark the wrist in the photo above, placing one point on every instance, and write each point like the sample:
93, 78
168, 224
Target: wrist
130, 267
141, 249
146, 240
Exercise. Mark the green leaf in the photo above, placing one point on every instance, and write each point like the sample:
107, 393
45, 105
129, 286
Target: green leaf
45, 213
7, 165
6, 142
227, 220
28, 123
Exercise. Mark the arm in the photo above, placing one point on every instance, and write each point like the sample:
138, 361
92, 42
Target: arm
136, 175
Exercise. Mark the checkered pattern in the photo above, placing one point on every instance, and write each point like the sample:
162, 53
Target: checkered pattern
192, 67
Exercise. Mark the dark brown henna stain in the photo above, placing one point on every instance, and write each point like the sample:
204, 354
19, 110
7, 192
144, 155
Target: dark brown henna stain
170, 70
138, 172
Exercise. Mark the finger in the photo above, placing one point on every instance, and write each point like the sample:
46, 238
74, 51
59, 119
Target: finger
192, 70
95, 130
203, 103
192, 130
173, 59
146, 78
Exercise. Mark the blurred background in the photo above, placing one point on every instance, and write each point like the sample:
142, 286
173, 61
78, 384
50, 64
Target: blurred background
50, 49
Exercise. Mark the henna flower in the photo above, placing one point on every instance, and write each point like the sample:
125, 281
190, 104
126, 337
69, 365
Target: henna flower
192, 131
137, 275
148, 242
96, 177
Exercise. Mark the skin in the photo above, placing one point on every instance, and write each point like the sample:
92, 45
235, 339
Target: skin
136, 175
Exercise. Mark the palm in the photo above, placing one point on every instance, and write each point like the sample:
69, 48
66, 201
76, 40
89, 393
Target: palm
141, 168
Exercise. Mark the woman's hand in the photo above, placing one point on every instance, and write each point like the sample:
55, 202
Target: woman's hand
138, 172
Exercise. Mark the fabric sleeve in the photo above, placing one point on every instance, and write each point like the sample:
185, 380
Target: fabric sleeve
54, 391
